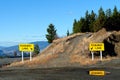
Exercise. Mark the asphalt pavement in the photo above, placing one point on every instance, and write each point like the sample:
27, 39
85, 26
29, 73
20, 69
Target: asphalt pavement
58, 74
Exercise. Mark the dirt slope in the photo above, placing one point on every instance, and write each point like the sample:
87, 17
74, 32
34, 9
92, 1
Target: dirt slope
68, 51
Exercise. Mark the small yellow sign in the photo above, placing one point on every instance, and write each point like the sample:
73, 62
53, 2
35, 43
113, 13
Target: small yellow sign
26, 47
96, 47
97, 72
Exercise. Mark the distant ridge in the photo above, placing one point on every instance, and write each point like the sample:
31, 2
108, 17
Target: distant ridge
11, 49
1, 47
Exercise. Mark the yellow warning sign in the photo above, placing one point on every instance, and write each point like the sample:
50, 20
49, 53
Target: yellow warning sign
26, 47
97, 72
96, 47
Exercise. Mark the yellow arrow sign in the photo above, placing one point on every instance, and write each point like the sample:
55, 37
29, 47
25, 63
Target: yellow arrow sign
97, 72
26, 47
96, 47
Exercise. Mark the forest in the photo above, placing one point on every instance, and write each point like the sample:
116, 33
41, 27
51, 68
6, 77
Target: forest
92, 22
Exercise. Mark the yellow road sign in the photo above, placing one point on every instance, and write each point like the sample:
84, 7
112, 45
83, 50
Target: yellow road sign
96, 47
97, 72
26, 47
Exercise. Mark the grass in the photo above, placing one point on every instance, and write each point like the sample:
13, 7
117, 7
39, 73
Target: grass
39, 60
83, 60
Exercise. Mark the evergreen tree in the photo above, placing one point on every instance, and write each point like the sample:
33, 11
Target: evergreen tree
68, 33
36, 49
86, 22
113, 22
100, 22
92, 20
108, 13
115, 12
83, 25
51, 33
96, 26
115, 19
76, 27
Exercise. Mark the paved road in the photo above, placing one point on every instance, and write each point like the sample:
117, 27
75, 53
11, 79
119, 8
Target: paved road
57, 74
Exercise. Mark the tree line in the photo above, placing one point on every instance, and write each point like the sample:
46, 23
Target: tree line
92, 22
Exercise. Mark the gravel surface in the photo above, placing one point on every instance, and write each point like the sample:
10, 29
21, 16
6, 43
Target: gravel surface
58, 74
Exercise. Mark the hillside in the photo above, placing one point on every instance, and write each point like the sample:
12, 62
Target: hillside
71, 51
42, 45
1, 47
9, 51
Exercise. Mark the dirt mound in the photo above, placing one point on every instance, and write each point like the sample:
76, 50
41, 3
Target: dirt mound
69, 51
112, 44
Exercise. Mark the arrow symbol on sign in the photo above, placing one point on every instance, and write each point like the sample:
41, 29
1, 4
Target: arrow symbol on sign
91, 48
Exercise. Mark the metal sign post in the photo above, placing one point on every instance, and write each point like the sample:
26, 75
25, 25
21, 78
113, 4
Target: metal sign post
101, 55
22, 57
92, 55
30, 56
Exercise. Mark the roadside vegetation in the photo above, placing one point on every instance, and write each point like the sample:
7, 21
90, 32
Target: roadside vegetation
91, 22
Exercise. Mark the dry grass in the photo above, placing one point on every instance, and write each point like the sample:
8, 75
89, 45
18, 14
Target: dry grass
15, 64
43, 59
83, 60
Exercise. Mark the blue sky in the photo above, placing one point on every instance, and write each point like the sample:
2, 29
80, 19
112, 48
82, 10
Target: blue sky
27, 20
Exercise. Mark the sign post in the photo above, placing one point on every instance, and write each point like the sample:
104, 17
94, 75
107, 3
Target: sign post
96, 47
22, 57
26, 48
92, 56
30, 56
100, 55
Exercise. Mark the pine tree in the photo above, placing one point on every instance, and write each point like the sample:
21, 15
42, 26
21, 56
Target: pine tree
76, 28
92, 20
85, 22
68, 33
36, 49
100, 22
115, 19
108, 13
83, 25
51, 33
115, 12
113, 22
